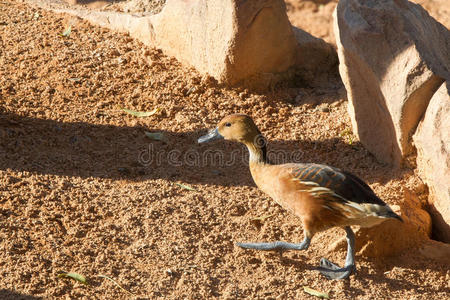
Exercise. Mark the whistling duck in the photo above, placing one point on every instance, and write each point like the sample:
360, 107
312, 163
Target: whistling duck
322, 196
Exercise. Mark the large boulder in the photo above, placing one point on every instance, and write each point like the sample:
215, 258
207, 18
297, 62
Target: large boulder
393, 57
432, 140
235, 40
230, 40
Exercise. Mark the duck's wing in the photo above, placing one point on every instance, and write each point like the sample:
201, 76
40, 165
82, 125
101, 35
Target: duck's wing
324, 180
347, 199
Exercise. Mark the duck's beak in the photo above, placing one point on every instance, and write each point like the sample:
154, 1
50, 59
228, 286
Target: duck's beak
212, 135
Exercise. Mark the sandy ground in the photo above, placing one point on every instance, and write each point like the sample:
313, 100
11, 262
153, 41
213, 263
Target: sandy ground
83, 189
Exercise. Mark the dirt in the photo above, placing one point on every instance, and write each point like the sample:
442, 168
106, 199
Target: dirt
79, 192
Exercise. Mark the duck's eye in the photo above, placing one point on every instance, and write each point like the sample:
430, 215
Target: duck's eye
228, 124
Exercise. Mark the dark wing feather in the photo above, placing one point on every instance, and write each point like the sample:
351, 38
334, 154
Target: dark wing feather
343, 183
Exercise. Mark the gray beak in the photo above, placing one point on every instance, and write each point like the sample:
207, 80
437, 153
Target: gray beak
212, 135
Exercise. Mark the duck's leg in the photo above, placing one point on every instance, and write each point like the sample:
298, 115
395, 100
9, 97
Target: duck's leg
332, 271
278, 245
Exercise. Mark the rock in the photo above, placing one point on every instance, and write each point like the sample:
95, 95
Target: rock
432, 141
314, 57
436, 250
249, 42
393, 56
392, 237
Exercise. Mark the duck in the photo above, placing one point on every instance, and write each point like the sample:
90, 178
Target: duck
322, 196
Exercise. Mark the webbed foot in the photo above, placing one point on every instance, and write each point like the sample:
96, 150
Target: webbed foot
333, 271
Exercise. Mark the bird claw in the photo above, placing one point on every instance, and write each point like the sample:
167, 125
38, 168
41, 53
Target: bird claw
332, 271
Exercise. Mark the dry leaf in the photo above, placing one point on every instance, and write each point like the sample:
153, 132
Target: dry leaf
73, 275
157, 136
141, 113
316, 293
67, 32
260, 219
186, 187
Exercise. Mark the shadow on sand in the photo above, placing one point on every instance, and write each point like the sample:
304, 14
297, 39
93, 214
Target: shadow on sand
103, 151
12, 295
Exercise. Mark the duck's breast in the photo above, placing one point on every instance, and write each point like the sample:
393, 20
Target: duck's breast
277, 182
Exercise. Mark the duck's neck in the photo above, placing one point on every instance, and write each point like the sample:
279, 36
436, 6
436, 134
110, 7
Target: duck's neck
258, 151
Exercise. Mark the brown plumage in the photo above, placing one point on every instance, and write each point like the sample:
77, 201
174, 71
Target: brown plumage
322, 196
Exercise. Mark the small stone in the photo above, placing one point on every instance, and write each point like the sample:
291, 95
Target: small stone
438, 251
325, 109
170, 272
124, 171
216, 172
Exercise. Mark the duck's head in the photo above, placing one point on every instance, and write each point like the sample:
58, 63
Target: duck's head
236, 127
